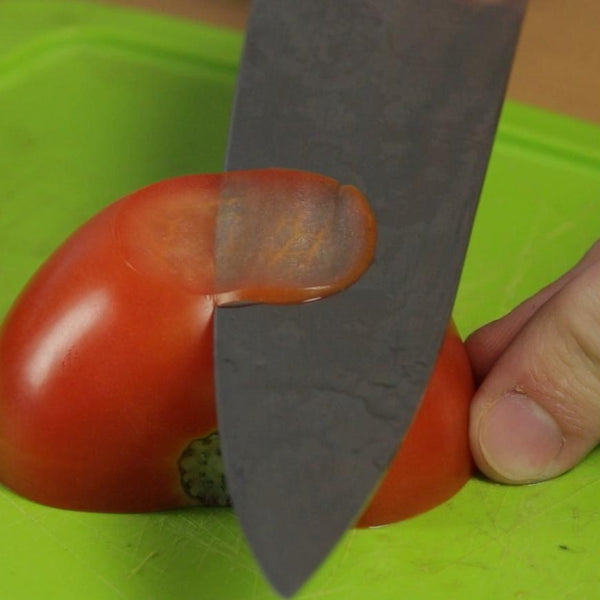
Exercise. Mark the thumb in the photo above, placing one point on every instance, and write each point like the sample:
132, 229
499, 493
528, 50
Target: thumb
537, 411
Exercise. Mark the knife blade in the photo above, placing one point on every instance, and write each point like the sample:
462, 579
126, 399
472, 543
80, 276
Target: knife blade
400, 98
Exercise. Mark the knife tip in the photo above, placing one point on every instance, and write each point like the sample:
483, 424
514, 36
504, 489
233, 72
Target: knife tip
284, 587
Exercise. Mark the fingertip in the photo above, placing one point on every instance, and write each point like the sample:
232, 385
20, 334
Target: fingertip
513, 439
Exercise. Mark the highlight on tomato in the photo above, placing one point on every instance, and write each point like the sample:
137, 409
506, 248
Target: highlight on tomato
106, 358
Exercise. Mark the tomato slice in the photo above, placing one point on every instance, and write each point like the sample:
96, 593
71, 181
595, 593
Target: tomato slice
106, 358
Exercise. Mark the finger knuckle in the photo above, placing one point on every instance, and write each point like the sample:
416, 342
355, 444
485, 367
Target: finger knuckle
575, 368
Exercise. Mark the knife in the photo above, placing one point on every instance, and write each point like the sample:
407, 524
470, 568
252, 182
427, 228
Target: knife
400, 98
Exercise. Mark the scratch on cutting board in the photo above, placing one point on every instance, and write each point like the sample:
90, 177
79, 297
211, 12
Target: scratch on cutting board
522, 263
254, 591
535, 235
213, 542
85, 565
348, 543
569, 496
34, 513
24, 515
578, 579
207, 541
140, 536
143, 562
338, 592
559, 231
501, 536
338, 564
496, 532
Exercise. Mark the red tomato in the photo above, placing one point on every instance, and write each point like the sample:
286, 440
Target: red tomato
105, 376
434, 460
106, 368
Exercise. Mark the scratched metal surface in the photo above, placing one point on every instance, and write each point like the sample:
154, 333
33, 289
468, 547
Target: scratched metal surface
539, 211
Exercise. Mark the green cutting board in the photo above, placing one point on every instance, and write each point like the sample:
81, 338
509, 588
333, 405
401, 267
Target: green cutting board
97, 101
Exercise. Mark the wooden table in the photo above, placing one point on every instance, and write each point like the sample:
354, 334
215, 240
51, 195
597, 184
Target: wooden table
557, 64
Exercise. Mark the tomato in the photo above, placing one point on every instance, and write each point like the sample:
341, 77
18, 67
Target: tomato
106, 358
434, 460
104, 375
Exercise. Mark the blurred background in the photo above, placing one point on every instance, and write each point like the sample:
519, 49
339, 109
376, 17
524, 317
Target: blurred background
558, 60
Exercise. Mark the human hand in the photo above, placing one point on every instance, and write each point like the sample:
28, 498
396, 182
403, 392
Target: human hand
537, 410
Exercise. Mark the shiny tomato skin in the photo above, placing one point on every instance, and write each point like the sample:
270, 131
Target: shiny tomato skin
434, 460
105, 375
